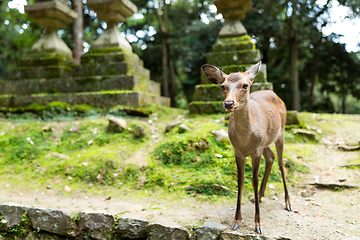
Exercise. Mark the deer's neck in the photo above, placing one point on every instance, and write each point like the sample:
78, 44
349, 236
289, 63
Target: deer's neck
243, 120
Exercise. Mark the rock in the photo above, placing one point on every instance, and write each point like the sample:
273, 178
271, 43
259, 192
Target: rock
158, 231
183, 128
292, 118
53, 221
172, 125
58, 155
233, 235
11, 214
75, 129
307, 133
130, 228
139, 132
96, 225
116, 125
209, 231
283, 238
220, 135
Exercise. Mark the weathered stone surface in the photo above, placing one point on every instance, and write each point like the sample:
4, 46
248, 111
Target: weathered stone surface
11, 214
158, 231
139, 132
183, 128
171, 125
209, 107
116, 125
80, 84
130, 228
233, 235
212, 92
209, 231
95, 99
96, 225
53, 221
292, 117
220, 135
233, 57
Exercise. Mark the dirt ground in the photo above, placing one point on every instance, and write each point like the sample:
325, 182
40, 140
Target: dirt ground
318, 213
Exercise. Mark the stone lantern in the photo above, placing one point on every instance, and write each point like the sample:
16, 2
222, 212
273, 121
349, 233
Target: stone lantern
232, 11
112, 12
52, 15
233, 51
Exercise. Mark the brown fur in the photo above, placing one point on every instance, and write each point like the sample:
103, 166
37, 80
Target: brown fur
257, 120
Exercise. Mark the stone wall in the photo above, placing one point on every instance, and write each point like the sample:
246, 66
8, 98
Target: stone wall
30, 223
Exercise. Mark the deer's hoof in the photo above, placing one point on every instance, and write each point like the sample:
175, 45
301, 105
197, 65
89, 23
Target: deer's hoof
289, 208
235, 226
259, 230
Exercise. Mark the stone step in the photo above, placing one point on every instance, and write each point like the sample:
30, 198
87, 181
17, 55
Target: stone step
227, 58
80, 84
95, 99
113, 68
93, 58
233, 44
212, 92
260, 77
199, 107
43, 72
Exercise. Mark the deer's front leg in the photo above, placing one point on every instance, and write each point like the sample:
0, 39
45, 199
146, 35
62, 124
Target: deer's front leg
240, 163
256, 159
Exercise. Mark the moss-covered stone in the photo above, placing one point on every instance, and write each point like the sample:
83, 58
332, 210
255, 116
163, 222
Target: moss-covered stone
198, 107
212, 92
52, 71
96, 99
233, 57
233, 44
80, 84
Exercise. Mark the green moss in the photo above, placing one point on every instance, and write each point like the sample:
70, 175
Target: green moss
209, 107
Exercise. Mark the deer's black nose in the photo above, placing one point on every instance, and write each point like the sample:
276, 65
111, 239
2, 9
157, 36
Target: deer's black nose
228, 104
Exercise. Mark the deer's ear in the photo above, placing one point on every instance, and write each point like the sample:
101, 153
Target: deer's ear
214, 74
253, 71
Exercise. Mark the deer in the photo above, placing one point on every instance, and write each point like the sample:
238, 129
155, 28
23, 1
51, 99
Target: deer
256, 121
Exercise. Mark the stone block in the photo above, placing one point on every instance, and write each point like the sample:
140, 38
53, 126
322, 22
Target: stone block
80, 84
233, 235
114, 68
53, 71
53, 221
213, 107
158, 231
212, 92
116, 56
209, 231
96, 225
95, 99
233, 44
233, 57
292, 117
11, 214
129, 228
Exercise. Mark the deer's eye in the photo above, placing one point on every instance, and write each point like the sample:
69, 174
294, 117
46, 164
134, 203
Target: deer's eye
245, 86
223, 87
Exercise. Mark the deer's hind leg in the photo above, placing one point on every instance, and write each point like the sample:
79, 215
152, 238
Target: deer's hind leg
269, 160
279, 144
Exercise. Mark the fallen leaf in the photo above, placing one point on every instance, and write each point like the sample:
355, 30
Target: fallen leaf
108, 198
296, 211
67, 189
90, 142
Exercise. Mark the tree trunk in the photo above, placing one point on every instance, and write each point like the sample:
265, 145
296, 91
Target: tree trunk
294, 75
78, 27
172, 76
163, 33
313, 78
344, 103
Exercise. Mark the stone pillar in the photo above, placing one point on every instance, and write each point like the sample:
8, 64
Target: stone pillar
232, 52
112, 12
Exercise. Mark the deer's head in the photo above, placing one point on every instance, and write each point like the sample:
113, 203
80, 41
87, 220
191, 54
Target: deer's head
236, 86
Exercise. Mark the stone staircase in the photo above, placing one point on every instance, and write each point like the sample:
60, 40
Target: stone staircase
106, 77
